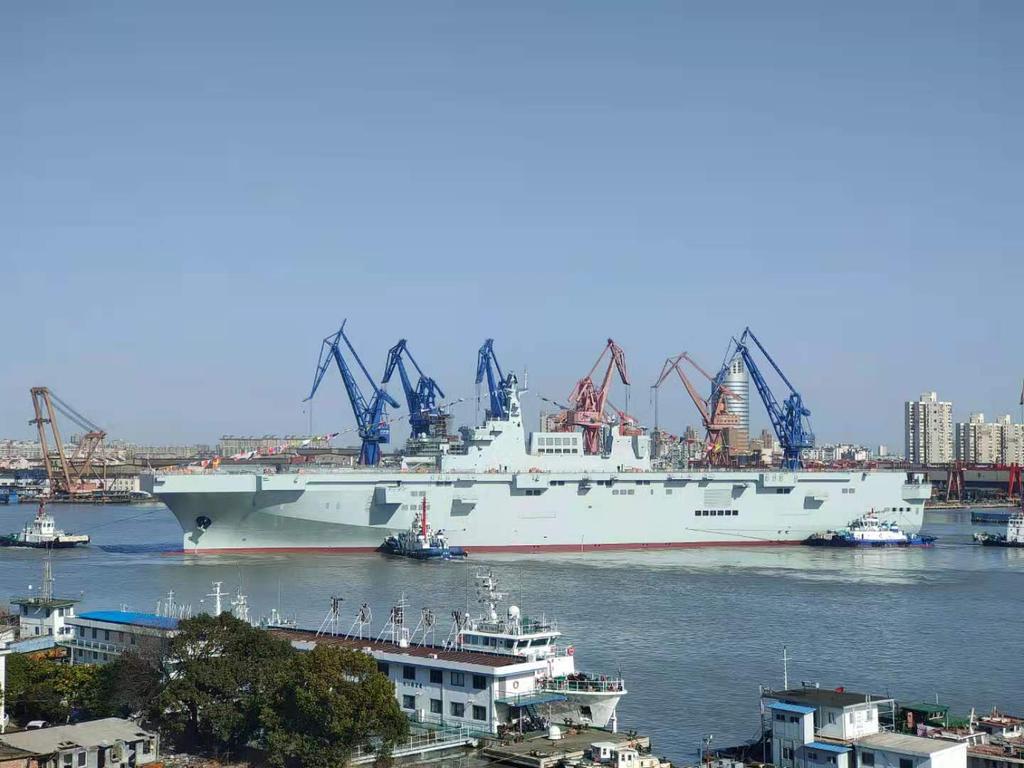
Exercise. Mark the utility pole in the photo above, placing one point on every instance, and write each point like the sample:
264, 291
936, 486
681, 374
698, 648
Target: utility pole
785, 669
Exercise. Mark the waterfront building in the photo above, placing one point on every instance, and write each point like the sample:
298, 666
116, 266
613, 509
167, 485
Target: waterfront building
981, 442
107, 743
96, 637
42, 617
840, 714
928, 430
899, 750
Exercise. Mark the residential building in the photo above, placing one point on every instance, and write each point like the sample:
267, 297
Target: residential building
928, 429
981, 442
96, 637
232, 445
899, 750
737, 381
108, 743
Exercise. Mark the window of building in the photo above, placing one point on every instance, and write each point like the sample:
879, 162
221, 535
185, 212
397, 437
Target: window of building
787, 753
437, 676
458, 678
832, 717
68, 757
382, 667
479, 682
94, 633
457, 709
408, 672
435, 706
480, 713
779, 717
906, 762
81, 755
867, 758
408, 702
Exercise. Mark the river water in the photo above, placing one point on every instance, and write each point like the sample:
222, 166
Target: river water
693, 631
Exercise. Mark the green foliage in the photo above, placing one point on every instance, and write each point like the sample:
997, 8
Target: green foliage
129, 685
221, 673
43, 689
331, 701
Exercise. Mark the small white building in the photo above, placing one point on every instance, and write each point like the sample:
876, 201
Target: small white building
794, 744
108, 743
898, 750
839, 714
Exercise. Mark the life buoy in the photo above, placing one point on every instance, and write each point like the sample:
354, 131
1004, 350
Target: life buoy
515, 684
570, 650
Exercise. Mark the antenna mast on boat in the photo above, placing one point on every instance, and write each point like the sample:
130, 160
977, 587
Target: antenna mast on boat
217, 595
785, 669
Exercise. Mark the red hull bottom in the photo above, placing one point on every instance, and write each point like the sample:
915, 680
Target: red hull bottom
520, 548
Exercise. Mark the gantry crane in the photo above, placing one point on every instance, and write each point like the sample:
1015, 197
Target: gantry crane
425, 416
587, 401
498, 384
371, 417
714, 411
790, 419
67, 474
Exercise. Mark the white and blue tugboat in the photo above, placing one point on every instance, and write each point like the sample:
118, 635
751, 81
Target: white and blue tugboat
869, 531
1014, 536
421, 542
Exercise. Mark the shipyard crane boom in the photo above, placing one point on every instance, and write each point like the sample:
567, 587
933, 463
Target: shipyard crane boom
424, 413
790, 420
713, 412
371, 417
588, 400
498, 385
66, 473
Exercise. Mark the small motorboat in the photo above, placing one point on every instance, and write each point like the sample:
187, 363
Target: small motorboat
1014, 536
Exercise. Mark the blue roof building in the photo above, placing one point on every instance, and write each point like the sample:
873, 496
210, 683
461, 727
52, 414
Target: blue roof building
101, 636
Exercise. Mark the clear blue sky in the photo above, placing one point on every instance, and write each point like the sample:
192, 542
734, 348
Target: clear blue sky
193, 194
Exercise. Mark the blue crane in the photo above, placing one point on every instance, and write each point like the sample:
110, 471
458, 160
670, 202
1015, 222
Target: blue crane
371, 417
421, 398
790, 420
498, 384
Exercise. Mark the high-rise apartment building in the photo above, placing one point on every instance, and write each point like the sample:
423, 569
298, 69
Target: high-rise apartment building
928, 428
998, 442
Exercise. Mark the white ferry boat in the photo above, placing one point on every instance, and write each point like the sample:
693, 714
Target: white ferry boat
495, 671
42, 532
508, 491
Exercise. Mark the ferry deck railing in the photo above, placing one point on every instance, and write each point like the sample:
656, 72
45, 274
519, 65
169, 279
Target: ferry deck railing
582, 686
421, 743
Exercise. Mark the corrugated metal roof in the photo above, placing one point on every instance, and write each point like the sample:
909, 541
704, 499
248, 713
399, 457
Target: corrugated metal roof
825, 747
132, 618
799, 709
91, 734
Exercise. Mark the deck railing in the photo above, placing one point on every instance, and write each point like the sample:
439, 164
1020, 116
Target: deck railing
563, 685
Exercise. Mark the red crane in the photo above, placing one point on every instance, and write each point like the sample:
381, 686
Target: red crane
716, 450
587, 401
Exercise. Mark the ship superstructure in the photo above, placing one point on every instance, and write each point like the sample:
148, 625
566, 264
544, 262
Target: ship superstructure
509, 491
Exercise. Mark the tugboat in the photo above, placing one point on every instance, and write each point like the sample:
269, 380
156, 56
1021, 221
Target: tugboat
1014, 536
869, 531
42, 533
421, 542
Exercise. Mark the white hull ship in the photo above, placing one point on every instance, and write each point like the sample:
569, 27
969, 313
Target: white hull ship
510, 492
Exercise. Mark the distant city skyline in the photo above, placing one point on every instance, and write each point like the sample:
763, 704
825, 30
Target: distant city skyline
196, 194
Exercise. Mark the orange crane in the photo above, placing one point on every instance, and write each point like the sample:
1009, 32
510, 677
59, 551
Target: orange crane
66, 473
587, 401
714, 415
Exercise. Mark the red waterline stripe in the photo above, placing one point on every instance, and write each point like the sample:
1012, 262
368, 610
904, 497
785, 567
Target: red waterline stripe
524, 548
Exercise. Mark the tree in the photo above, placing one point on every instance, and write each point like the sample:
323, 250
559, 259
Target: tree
332, 701
43, 689
129, 685
220, 674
